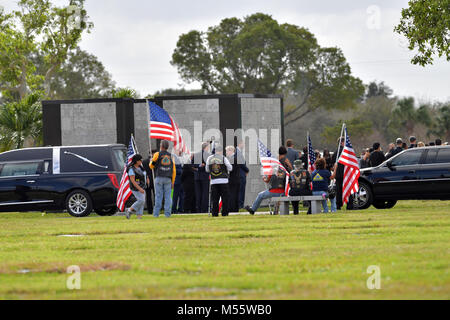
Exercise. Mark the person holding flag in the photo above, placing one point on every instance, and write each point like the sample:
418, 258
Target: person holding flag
338, 170
351, 175
311, 156
275, 175
138, 182
125, 192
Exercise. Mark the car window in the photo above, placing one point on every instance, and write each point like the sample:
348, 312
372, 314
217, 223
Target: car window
407, 158
431, 156
85, 159
119, 156
443, 156
20, 169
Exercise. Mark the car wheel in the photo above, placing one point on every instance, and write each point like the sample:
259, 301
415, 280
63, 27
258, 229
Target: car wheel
363, 199
387, 204
79, 204
106, 211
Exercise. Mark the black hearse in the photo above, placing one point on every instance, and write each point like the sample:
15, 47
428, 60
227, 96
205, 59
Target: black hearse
78, 179
418, 173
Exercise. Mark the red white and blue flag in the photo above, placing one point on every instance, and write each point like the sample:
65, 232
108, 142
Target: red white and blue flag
311, 156
124, 189
351, 169
162, 126
267, 163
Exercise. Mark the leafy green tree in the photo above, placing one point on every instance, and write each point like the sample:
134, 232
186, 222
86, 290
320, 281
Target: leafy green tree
259, 55
441, 125
426, 25
178, 92
20, 121
125, 93
358, 129
37, 27
82, 75
407, 116
374, 89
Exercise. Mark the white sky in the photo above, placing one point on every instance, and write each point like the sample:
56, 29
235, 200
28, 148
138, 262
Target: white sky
135, 39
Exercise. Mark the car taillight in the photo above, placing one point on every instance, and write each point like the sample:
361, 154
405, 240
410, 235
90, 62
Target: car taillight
113, 179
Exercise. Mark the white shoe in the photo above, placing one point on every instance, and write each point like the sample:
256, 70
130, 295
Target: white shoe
127, 213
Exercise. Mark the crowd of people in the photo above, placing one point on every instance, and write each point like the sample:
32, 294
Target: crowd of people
214, 180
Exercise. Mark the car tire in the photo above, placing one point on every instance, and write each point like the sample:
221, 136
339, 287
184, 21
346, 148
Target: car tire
104, 212
79, 204
365, 196
384, 204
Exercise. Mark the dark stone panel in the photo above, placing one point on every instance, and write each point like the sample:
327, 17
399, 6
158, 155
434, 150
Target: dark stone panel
125, 120
51, 118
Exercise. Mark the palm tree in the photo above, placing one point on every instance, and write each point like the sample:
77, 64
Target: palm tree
441, 126
407, 116
19, 121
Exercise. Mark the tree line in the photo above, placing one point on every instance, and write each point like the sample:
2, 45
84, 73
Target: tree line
40, 58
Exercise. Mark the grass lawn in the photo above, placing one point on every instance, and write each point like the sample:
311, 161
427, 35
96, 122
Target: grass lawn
237, 257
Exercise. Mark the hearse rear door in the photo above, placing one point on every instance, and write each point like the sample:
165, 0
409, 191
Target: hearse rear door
17, 183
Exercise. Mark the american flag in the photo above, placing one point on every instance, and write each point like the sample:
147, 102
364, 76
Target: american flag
267, 161
311, 156
351, 169
124, 189
162, 126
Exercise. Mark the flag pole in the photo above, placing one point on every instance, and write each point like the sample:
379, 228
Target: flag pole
339, 143
307, 152
213, 149
150, 147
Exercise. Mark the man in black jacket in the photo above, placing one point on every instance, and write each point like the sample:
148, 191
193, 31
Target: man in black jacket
235, 178
377, 156
339, 174
201, 178
398, 149
187, 180
150, 187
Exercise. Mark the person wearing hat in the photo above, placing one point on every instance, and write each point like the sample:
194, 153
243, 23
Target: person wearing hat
398, 149
138, 181
413, 142
300, 180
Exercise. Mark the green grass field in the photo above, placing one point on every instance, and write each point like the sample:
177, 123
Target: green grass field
238, 257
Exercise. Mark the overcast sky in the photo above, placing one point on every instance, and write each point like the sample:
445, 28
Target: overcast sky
135, 39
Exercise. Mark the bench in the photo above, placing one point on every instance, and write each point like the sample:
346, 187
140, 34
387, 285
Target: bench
316, 203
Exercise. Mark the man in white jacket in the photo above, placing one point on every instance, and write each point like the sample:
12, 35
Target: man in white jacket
219, 167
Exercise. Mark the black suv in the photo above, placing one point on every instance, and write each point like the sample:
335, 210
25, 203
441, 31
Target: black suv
78, 179
419, 173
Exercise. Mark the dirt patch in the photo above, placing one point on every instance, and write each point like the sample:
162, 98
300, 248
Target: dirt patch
62, 268
97, 233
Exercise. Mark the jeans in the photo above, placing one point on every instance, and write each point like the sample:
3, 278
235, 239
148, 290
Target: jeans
325, 203
139, 205
264, 195
163, 189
